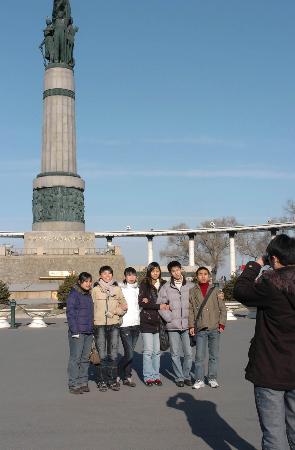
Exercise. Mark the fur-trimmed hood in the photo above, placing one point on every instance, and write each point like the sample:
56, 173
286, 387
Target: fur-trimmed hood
283, 279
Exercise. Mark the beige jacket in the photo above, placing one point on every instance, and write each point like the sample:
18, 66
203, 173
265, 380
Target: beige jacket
111, 304
212, 315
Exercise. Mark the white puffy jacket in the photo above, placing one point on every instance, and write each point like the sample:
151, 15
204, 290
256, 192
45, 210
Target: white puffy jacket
130, 292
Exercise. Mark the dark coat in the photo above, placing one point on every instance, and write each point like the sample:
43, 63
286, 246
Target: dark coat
272, 351
80, 311
149, 314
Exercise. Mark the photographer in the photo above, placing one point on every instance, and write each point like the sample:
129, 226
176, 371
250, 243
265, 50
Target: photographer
271, 366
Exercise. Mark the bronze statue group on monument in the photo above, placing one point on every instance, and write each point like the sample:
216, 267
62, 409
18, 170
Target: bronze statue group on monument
59, 35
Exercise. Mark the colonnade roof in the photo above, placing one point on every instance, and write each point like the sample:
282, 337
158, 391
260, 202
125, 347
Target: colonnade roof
193, 231
187, 231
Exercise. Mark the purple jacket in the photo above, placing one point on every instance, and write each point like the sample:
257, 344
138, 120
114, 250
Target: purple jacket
80, 311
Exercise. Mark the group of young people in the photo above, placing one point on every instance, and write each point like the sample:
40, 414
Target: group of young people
109, 311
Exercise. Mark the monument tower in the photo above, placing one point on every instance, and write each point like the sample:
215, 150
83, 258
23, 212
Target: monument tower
58, 198
58, 191
58, 242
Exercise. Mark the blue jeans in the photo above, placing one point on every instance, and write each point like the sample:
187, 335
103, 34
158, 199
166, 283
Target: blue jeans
107, 344
151, 356
276, 411
129, 337
211, 339
180, 344
79, 359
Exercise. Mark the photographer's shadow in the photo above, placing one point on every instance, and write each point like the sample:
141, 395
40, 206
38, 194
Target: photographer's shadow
206, 423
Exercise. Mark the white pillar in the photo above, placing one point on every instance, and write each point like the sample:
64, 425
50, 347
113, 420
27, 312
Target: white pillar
232, 253
110, 242
273, 233
150, 249
191, 249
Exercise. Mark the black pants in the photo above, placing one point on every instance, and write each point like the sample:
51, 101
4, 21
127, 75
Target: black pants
129, 336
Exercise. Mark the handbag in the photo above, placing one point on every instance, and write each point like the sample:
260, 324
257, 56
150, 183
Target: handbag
164, 336
94, 357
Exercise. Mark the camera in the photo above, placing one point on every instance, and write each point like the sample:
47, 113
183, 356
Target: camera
266, 259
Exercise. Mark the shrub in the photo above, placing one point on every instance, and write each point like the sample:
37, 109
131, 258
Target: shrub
4, 293
65, 288
141, 275
229, 287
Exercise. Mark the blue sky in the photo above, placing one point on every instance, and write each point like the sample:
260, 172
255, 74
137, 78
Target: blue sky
185, 111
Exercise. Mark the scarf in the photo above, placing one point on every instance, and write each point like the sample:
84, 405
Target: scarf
129, 285
109, 288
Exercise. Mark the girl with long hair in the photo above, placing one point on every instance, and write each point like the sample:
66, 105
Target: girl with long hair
150, 323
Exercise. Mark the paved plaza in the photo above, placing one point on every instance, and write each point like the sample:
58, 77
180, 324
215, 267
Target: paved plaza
37, 412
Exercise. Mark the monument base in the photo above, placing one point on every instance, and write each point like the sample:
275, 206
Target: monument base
58, 226
30, 268
59, 242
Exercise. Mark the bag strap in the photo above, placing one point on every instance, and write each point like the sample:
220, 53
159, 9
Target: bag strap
203, 304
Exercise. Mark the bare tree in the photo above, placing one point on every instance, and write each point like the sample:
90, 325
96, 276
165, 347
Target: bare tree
209, 248
177, 246
290, 209
252, 244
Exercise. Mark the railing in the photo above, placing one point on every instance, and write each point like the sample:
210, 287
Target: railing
100, 251
20, 251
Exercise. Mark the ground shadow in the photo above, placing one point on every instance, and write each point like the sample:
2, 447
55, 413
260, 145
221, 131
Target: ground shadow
93, 373
165, 365
137, 364
207, 424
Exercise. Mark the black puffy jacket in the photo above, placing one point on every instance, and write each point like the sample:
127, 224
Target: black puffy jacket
80, 311
149, 314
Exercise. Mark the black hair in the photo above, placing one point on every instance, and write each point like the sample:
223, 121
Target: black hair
106, 269
202, 268
153, 265
84, 276
283, 247
173, 264
129, 271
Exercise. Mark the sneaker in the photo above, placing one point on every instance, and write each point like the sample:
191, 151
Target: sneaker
85, 388
102, 387
149, 383
157, 382
179, 383
115, 386
75, 390
199, 384
188, 382
213, 383
129, 382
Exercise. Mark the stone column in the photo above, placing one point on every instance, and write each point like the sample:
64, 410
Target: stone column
58, 199
110, 242
191, 249
232, 252
150, 249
